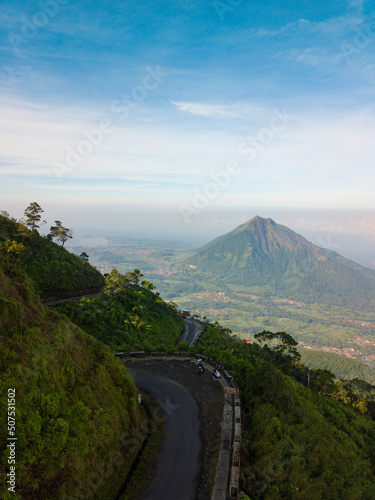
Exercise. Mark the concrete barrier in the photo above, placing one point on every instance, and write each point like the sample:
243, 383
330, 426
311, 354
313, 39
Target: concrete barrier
235, 482
237, 414
237, 432
236, 454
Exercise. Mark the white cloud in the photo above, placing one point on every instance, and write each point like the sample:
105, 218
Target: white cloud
238, 110
321, 159
333, 27
346, 224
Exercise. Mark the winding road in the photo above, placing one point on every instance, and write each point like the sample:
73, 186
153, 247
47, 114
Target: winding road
180, 459
192, 329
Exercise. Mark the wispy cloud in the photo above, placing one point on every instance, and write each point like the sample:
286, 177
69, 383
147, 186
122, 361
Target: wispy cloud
333, 27
235, 110
345, 224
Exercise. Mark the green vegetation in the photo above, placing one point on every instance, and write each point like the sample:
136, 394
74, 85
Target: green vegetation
76, 405
249, 309
55, 272
263, 253
128, 316
343, 368
298, 442
79, 427
61, 233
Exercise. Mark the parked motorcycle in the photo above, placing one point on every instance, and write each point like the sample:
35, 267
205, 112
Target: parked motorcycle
200, 368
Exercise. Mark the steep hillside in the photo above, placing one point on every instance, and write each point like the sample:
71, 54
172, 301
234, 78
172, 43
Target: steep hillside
298, 442
135, 318
54, 271
263, 253
75, 403
342, 367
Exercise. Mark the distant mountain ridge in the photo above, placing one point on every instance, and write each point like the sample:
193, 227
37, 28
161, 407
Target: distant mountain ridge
264, 253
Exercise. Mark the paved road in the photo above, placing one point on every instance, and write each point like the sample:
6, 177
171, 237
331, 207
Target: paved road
180, 459
192, 328
70, 299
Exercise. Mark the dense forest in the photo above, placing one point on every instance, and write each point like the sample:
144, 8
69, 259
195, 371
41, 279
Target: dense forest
342, 367
74, 400
305, 436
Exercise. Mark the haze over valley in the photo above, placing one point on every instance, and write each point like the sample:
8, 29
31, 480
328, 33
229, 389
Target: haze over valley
250, 295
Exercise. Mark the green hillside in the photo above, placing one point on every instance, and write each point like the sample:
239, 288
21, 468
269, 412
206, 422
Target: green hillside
305, 435
341, 366
280, 262
134, 318
75, 403
54, 271
298, 442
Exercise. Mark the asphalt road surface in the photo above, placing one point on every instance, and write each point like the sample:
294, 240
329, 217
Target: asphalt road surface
192, 328
70, 299
179, 463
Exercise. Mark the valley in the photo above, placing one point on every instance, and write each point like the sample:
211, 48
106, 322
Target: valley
245, 310
81, 409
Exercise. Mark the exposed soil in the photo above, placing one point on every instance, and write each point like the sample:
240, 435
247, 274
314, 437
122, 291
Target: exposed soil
209, 395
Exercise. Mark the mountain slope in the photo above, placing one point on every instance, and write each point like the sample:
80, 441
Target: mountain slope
133, 319
263, 253
54, 270
297, 442
75, 403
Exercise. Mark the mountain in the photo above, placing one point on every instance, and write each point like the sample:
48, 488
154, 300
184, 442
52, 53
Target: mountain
262, 253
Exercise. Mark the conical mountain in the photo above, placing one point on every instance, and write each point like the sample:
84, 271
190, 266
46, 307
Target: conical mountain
262, 253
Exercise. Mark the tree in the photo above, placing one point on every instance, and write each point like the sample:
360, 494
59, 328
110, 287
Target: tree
84, 256
115, 282
6, 214
61, 233
12, 247
148, 285
134, 277
285, 344
33, 217
322, 381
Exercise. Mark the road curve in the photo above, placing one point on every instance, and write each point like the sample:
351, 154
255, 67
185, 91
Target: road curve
179, 463
192, 328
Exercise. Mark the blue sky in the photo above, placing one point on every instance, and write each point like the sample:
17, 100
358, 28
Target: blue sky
121, 114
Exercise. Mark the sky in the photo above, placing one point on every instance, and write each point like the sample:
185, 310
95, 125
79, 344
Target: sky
184, 119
